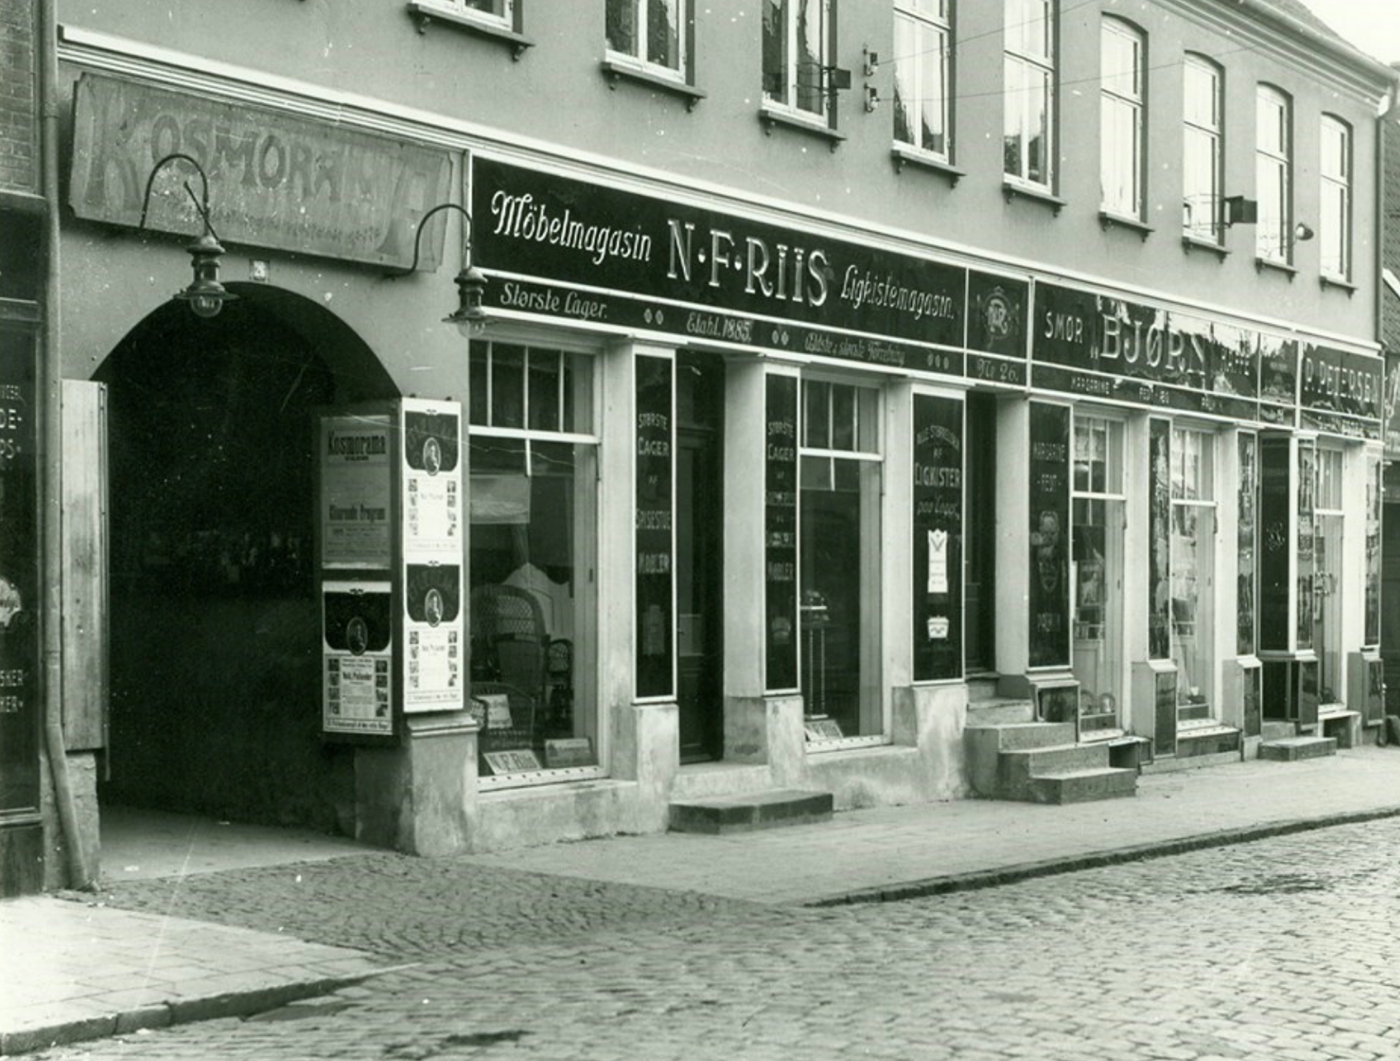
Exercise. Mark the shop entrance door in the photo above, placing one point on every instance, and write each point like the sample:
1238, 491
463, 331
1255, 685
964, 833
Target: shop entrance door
699, 561
979, 537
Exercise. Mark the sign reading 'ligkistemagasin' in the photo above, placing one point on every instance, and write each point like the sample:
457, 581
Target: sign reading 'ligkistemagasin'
718, 276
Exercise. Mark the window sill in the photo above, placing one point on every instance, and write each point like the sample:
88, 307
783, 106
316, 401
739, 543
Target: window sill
425, 11
1191, 243
616, 70
1269, 263
771, 115
1108, 219
1337, 282
905, 155
1013, 189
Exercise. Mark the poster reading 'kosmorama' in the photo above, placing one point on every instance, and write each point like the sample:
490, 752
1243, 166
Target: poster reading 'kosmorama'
355, 531
431, 476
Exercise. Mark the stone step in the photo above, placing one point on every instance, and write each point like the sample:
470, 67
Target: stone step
1082, 786
1018, 769
998, 711
1291, 749
982, 687
1277, 730
1012, 736
759, 810
1169, 764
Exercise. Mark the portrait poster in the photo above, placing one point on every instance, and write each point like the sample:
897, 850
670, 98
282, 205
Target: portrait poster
356, 658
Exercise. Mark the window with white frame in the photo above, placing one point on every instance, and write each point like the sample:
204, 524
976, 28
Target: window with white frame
532, 609
1029, 92
651, 34
1193, 571
1121, 95
798, 42
839, 562
1327, 584
1202, 153
1096, 570
1335, 221
495, 14
1273, 175
922, 32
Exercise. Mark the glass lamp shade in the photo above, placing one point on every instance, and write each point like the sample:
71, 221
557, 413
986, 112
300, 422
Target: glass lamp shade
205, 295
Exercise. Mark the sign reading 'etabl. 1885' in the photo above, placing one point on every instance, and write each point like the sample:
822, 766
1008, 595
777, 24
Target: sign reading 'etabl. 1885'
274, 180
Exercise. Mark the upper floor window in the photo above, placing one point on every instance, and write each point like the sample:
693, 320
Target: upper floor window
1335, 222
1202, 155
1273, 174
1121, 151
921, 75
1029, 72
650, 33
798, 42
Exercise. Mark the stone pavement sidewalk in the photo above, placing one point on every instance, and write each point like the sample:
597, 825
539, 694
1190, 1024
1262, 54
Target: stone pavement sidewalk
74, 970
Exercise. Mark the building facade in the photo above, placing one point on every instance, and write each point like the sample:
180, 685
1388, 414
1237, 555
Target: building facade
842, 371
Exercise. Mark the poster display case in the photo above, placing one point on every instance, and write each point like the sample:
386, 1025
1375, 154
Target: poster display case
390, 563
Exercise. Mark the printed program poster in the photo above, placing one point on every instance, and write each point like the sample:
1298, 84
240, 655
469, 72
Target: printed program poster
356, 658
355, 492
433, 518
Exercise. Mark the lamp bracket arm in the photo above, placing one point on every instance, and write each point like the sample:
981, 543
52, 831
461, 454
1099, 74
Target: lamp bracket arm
418, 235
201, 206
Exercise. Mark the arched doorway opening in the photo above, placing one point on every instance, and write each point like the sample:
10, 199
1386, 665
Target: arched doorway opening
215, 633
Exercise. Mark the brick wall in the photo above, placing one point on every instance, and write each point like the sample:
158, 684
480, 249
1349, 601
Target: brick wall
19, 97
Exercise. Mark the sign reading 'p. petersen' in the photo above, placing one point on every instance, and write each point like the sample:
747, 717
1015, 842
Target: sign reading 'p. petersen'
568, 248
274, 180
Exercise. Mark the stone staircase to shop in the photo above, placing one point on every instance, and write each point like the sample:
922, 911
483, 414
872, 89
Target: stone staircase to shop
1283, 743
1011, 756
767, 809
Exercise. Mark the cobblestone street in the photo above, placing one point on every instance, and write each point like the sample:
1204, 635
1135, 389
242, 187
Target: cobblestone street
1285, 949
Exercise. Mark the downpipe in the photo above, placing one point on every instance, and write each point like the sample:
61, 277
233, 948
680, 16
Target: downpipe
51, 478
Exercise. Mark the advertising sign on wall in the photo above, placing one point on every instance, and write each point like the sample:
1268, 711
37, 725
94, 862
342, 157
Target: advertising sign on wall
431, 485
780, 533
275, 180
937, 542
357, 658
355, 492
1049, 535
653, 527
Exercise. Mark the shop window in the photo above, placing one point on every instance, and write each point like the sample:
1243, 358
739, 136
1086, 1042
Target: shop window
922, 74
1121, 100
1029, 92
839, 565
1202, 152
533, 498
1335, 234
1327, 577
1273, 158
650, 34
798, 42
1193, 571
1096, 571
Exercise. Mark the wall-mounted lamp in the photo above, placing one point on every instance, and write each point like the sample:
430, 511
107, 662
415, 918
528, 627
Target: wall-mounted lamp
469, 316
205, 295
1302, 233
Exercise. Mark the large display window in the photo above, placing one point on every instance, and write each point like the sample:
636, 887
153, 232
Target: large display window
533, 502
839, 562
1193, 571
1096, 571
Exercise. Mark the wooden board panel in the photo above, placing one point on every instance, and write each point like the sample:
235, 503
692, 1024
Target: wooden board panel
85, 617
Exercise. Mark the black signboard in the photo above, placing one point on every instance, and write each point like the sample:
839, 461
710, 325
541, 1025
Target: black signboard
19, 575
937, 544
1278, 378
1049, 535
998, 314
653, 527
1372, 634
1391, 407
780, 533
1340, 381
1164, 713
1305, 547
1275, 507
1247, 540
1159, 517
720, 272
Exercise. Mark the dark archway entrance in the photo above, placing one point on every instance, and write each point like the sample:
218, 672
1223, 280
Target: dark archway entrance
215, 634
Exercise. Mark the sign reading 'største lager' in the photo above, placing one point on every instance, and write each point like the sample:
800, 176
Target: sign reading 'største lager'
274, 180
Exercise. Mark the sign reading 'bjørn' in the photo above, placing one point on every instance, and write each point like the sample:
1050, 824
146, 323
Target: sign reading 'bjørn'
274, 180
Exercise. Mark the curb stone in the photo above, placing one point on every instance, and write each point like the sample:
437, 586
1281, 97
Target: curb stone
992, 878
